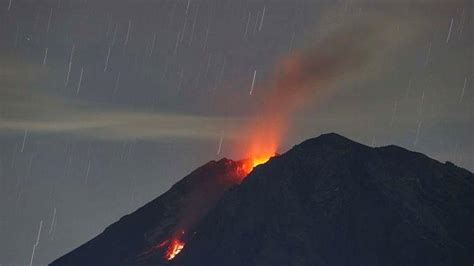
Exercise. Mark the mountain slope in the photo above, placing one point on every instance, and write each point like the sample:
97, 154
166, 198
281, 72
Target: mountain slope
331, 201
144, 237
327, 201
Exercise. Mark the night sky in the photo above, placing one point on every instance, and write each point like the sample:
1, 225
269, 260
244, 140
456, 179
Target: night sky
105, 104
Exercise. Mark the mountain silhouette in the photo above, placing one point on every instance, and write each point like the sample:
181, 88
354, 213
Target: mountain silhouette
327, 201
135, 239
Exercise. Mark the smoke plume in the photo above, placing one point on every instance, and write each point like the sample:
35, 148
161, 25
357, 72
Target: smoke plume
346, 50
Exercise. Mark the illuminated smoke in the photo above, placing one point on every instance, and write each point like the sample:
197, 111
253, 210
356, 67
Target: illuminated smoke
344, 52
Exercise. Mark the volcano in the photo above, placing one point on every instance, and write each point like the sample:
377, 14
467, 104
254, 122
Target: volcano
156, 232
327, 201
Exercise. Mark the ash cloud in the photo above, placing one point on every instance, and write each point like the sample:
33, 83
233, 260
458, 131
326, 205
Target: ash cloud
346, 50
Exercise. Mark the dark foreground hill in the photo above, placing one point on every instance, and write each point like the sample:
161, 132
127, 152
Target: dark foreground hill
146, 236
327, 201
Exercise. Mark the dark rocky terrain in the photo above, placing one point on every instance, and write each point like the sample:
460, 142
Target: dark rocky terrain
327, 201
135, 238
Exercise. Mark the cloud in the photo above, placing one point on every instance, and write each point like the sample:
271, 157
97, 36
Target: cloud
23, 106
344, 49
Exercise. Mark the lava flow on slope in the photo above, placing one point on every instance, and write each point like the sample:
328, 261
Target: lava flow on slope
157, 232
235, 174
174, 247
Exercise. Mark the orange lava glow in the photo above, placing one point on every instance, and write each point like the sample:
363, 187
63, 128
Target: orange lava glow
174, 248
249, 164
260, 160
263, 142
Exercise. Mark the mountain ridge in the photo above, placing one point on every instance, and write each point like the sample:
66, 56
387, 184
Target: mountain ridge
335, 189
327, 201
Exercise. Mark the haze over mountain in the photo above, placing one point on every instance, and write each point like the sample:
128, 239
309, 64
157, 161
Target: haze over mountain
327, 201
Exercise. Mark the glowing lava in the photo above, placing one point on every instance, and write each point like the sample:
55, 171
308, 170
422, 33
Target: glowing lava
264, 138
260, 160
248, 165
174, 248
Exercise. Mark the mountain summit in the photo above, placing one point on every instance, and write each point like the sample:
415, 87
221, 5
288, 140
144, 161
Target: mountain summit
327, 201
